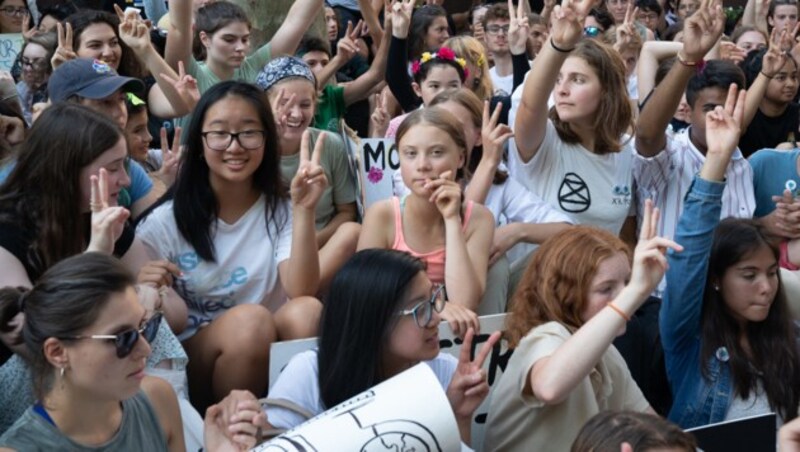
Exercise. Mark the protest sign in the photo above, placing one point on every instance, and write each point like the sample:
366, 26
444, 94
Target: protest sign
10, 46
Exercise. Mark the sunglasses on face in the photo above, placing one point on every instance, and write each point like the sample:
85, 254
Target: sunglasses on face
591, 32
125, 341
423, 311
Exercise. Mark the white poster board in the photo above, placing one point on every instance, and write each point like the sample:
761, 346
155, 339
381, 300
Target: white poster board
10, 46
282, 352
407, 412
377, 160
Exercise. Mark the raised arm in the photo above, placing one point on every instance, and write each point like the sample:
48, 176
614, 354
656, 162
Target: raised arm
397, 77
651, 56
370, 16
771, 65
361, 87
298, 21
567, 31
179, 36
701, 32
553, 378
346, 49
493, 140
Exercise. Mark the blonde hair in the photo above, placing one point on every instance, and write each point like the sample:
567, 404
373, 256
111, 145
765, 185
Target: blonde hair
473, 51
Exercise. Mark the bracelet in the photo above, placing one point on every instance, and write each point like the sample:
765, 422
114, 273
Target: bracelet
683, 61
559, 49
767, 76
619, 311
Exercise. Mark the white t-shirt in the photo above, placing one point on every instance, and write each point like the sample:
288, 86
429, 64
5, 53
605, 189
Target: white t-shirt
592, 189
299, 383
503, 85
246, 267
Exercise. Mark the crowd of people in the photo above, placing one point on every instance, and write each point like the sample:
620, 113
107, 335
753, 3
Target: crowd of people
619, 177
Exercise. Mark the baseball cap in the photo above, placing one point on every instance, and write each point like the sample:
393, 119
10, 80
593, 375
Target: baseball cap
92, 79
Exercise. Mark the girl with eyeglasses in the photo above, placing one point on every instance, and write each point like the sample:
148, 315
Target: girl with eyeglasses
36, 69
243, 246
12, 14
395, 322
88, 339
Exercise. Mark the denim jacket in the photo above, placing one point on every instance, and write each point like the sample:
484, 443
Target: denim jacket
698, 400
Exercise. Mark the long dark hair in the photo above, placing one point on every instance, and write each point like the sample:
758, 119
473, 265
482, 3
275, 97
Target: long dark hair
773, 356
43, 193
421, 20
357, 321
129, 65
66, 300
195, 205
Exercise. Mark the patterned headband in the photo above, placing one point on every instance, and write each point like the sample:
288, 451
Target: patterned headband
282, 68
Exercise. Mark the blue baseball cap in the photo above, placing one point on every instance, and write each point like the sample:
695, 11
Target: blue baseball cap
92, 79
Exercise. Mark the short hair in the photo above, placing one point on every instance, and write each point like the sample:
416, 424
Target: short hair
716, 74
603, 17
742, 29
649, 5
497, 11
607, 430
313, 43
776, 3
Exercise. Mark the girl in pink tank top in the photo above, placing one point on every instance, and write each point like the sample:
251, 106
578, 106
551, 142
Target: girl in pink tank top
433, 222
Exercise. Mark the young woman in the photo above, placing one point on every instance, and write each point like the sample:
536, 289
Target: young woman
35, 62
729, 342
575, 298
629, 431
12, 14
95, 35
88, 337
291, 88
749, 38
396, 324
240, 247
575, 155
434, 222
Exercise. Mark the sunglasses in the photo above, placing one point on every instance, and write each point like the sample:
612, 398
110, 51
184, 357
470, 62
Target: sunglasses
125, 341
423, 311
591, 32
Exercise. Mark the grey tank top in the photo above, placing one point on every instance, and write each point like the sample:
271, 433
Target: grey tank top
139, 430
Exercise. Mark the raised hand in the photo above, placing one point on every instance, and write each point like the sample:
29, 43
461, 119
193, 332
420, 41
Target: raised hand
567, 22
723, 124
775, 57
649, 257
518, 28
380, 116
702, 30
445, 194
27, 31
731, 52
626, 33
479, 33
281, 106
185, 85
107, 221
347, 46
64, 50
133, 31
494, 135
468, 386
170, 157
401, 12
310, 181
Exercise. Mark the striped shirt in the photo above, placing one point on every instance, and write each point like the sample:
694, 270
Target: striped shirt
667, 177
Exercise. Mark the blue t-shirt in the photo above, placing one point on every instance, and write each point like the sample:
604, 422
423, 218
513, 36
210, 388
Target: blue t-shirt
140, 181
773, 172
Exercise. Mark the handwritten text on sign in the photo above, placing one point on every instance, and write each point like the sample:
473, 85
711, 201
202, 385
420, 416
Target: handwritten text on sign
10, 46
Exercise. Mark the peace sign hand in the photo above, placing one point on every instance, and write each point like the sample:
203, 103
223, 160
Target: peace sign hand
401, 12
380, 116
773, 60
347, 47
469, 387
702, 30
518, 29
567, 22
494, 135
185, 85
27, 31
310, 181
133, 30
649, 257
107, 222
64, 50
280, 109
170, 158
626, 33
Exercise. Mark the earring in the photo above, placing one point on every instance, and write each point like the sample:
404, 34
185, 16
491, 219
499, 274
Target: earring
716, 287
63, 370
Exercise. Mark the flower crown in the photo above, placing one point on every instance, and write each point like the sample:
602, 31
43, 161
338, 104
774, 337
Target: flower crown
444, 54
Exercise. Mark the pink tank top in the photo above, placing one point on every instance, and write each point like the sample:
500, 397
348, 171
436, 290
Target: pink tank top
434, 260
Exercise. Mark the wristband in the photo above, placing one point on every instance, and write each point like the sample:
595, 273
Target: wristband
559, 49
619, 311
683, 61
767, 76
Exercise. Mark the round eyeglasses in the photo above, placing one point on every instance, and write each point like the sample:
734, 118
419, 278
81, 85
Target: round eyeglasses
423, 311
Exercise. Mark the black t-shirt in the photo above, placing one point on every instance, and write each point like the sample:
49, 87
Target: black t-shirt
768, 132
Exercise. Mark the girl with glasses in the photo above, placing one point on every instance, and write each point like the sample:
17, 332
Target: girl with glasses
12, 14
395, 324
244, 248
35, 64
88, 339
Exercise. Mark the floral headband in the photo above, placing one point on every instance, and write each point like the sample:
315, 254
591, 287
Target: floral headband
443, 54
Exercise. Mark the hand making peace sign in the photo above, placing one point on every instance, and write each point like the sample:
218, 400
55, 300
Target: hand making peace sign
64, 50
310, 181
469, 387
518, 28
107, 221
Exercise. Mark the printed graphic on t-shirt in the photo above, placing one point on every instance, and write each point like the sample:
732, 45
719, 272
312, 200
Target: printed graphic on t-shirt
573, 194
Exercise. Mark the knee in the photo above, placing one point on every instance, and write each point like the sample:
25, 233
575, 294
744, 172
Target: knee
298, 318
248, 327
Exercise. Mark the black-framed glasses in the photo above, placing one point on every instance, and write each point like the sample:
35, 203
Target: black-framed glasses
125, 341
496, 29
38, 64
423, 311
591, 32
11, 11
250, 140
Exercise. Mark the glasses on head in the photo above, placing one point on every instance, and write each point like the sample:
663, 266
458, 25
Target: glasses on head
423, 311
126, 340
497, 29
37, 63
13, 12
591, 32
221, 141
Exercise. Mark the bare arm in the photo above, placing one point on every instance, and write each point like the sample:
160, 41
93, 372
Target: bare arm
370, 15
163, 399
652, 54
468, 257
361, 87
298, 21
376, 227
344, 213
179, 37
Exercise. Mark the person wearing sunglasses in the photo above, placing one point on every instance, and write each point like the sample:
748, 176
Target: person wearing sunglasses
395, 325
88, 337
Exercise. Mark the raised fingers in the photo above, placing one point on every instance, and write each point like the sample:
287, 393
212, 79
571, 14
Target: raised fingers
68, 37
487, 347
646, 220
103, 186
304, 147
318, 147
466, 347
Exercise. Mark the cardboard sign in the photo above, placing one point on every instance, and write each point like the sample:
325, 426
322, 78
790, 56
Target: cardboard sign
409, 411
377, 160
750, 433
282, 352
10, 47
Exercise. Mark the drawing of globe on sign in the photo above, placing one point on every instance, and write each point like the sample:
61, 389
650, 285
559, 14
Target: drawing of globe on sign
573, 194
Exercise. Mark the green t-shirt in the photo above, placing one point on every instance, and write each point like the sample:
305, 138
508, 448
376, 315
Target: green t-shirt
335, 163
247, 72
330, 108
